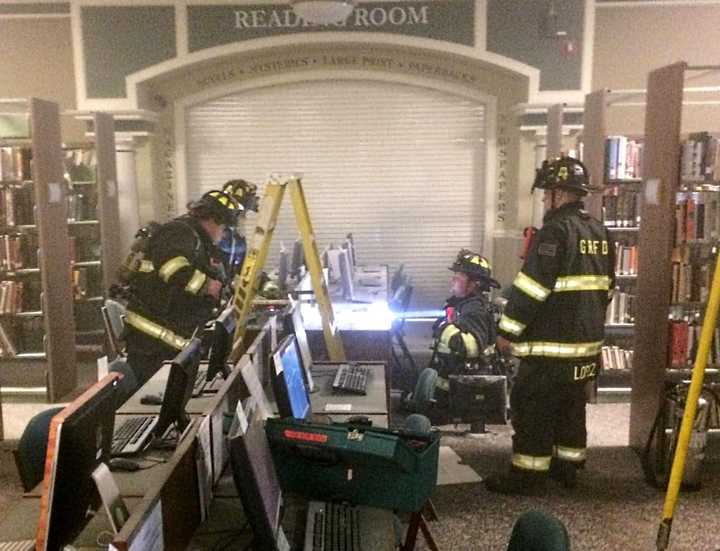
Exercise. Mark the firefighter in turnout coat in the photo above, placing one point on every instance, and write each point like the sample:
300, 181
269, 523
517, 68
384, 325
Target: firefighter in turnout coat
554, 323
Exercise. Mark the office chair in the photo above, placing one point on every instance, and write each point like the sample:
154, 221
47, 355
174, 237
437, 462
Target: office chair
113, 314
32, 448
399, 305
537, 531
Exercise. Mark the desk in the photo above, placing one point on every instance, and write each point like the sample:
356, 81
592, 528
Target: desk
326, 401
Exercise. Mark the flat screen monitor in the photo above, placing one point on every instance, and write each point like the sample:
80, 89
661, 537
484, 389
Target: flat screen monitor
333, 264
220, 332
80, 439
298, 258
288, 381
254, 476
296, 327
259, 351
179, 387
346, 276
283, 269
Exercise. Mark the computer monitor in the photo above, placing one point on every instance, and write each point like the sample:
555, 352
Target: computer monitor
283, 269
288, 381
333, 264
179, 387
298, 258
346, 276
295, 327
255, 478
80, 439
219, 338
350, 245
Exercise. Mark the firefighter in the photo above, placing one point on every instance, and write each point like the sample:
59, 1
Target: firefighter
468, 327
233, 246
461, 337
554, 323
179, 285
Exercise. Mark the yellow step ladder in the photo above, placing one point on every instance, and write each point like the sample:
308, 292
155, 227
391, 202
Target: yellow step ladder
247, 280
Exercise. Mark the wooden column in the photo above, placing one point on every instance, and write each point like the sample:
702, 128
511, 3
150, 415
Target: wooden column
593, 135
107, 190
654, 287
55, 271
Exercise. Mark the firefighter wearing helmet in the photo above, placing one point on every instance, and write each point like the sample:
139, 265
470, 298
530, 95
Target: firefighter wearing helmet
464, 337
233, 246
554, 323
177, 285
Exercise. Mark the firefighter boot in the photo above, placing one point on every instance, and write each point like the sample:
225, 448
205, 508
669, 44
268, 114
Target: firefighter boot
564, 472
518, 482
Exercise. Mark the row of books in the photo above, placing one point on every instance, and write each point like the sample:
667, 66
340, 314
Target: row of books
11, 297
621, 308
700, 157
623, 158
21, 335
621, 207
697, 216
626, 259
691, 282
15, 164
614, 357
11, 253
81, 206
684, 341
16, 205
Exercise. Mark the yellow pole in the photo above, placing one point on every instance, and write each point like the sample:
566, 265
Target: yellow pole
698, 374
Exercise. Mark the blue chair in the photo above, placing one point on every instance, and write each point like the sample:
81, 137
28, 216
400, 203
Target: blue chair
32, 448
538, 531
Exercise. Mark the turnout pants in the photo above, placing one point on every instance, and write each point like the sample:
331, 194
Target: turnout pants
548, 413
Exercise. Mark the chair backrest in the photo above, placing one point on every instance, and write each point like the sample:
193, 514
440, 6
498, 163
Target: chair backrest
538, 531
129, 383
399, 304
113, 318
32, 447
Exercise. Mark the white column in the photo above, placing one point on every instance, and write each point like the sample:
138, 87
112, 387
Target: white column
127, 195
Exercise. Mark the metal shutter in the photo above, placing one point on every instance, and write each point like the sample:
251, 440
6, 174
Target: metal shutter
401, 167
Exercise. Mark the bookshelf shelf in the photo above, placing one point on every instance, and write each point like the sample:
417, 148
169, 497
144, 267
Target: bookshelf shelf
87, 263
616, 181
626, 276
629, 229
29, 356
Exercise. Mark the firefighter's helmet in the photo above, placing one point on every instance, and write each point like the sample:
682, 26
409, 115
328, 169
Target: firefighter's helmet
563, 173
244, 192
218, 205
476, 266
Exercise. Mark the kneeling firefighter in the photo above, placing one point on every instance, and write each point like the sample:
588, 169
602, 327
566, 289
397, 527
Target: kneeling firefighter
463, 349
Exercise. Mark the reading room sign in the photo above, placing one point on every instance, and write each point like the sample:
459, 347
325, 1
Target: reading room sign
447, 20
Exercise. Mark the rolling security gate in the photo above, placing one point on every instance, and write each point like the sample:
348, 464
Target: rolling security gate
401, 167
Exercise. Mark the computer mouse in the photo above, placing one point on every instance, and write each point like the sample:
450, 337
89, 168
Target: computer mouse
123, 464
151, 399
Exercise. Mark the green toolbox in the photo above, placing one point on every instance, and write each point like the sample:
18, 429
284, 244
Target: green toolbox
362, 465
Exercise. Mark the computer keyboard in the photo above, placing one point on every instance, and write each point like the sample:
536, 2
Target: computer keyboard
199, 384
351, 378
335, 527
23, 545
130, 437
202, 385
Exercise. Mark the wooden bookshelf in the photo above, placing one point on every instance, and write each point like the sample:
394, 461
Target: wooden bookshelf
38, 314
654, 287
620, 327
